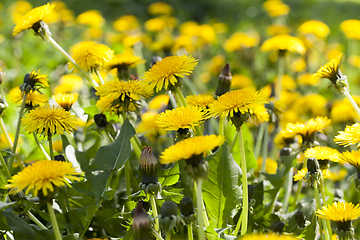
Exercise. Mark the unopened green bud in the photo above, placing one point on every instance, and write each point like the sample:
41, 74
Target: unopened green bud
168, 216
224, 83
313, 165
286, 151
100, 120
141, 224
278, 227
187, 210
60, 158
149, 169
300, 219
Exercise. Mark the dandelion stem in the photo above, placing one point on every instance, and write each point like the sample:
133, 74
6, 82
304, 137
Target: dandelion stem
322, 189
51, 147
234, 141
245, 204
45, 154
353, 103
68, 57
178, 100
154, 211
288, 188
190, 232
54, 222
280, 73
168, 235
200, 208
259, 139
17, 133
6, 134
178, 92
265, 150
157, 235
6, 170
128, 179
221, 125
35, 220
319, 205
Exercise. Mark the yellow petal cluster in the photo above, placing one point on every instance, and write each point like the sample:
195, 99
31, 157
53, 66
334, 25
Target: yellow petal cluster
339, 212
350, 136
283, 42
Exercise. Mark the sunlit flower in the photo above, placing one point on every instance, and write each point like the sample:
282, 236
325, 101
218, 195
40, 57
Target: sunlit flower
216, 64
283, 139
160, 8
203, 101
33, 18
331, 70
43, 176
241, 40
123, 62
308, 79
277, 29
33, 98
343, 112
352, 158
338, 176
268, 236
69, 83
34, 81
91, 18
322, 153
319, 29
126, 23
149, 128
181, 118
340, 212
65, 100
351, 28
167, 71
48, 119
114, 106
159, 102
160, 23
350, 136
302, 174
190, 147
311, 105
270, 165
276, 8
90, 55
283, 43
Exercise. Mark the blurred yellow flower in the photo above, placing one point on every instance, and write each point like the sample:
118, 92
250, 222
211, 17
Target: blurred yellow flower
351, 28
354, 60
159, 24
216, 64
126, 23
160, 8
241, 81
311, 105
339, 175
241, 40
149, 128
284, 43
123, 61
18, 9
343, 112
308, 79
318, 28
350, 136
267, 236
270, 168
276, 8
33, 98
65, 100
91, 18
158, 102
276, 29
69, 83
298, 65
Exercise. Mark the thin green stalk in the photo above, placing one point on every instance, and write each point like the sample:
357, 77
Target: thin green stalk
234, 141
264, 150
135, 142
200, 208
178, 100
190, 232
17, 134
54, 222
288, 188
168, 235
245, 203
179, 93
6, 134
128, 178
51, 147
68, 57
140, 68
259, 139
157, 235
353, 103
280, 74
319, 206
6, 170
221, 125
198, 131
172, 99
237, 228
190, 86
323, 195
154, 211
45, 154
35, 220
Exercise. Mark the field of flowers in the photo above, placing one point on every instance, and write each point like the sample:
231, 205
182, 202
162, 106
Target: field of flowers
122, 126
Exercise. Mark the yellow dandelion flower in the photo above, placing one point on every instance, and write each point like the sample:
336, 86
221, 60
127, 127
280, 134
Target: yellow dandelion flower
283, 43
69, 83
338, 176
65, 100
306, 131
283, 139
33, 18
311, 105
91, 18
343, 112
126, 23
160, 8
48, 119
339, 212
276, 8
268, 236
43, 176
159, 102
90, 55
301, 174
114, 106
181, 118
131, 90
167, 71
277, 29
190, 147
123, 62
331, 70
318, 28
203, 101
350, 136
270, 165
149, 128
241, 40
351, 28
156, 24
33, 98
308, 79
241, 81
352, 158
322, 153
33, 81
238, 101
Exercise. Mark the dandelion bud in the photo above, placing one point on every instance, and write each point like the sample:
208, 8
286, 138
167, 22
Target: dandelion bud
224, 83
278, 227
168, 216
60, 158
286, 151
187, 210
196, 166
149, 168
141, 224
100, 120
313, 165
300, 219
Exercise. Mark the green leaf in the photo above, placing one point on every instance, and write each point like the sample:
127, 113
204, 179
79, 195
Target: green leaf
169, 176
117, 153
173, 196
222, 188
310, 231
22, 231
94, 186
4, 205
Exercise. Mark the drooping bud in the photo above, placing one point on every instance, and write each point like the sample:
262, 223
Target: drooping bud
60, 158
168, 216
286, 151
300, 219
100, 120
141, 224
278, 227
149, 169
224, 83
313, 165
187, 210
